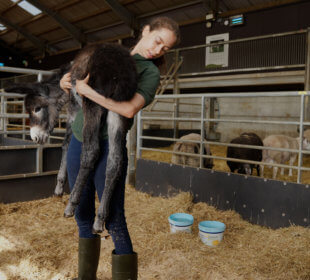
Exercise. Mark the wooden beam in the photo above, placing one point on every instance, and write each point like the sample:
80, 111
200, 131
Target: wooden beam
66, 25
39, 16
33, 39
96, 13
124, 14
211, 5
112, 39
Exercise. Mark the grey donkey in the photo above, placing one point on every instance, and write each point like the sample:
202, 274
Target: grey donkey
44, 102
112, 74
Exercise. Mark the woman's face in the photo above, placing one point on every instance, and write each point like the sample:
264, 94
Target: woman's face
155, 43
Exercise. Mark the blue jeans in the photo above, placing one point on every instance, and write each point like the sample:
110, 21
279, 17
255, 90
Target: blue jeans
85, 211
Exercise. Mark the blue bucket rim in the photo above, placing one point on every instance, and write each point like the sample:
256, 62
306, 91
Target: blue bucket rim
188, 217
211, 226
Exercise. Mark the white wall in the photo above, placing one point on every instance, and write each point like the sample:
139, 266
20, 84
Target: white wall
258, 108
255, 108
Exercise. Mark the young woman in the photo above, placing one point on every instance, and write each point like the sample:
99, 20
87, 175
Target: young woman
157, 37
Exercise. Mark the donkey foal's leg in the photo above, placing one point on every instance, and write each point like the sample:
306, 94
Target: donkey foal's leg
62, 173
117, 137
90, 151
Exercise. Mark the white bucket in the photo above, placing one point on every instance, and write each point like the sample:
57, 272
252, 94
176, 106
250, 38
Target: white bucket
181, 222
211, 232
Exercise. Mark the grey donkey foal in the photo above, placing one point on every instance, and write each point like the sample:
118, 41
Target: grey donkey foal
44, 102
112, 74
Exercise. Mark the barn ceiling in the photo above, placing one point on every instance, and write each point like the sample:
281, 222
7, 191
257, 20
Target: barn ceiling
59, 26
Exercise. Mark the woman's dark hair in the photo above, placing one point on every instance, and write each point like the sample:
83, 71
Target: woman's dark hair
170, 24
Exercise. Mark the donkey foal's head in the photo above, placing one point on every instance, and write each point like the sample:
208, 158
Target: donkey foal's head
43, 102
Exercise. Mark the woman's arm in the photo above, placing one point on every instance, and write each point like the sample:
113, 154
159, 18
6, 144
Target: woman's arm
126, 108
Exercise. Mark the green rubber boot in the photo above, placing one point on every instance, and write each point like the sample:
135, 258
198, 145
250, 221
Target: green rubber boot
124, 267
89, 252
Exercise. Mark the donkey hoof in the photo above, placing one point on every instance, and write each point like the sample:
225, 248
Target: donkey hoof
58, 191
98, 226
58, 194
69, 211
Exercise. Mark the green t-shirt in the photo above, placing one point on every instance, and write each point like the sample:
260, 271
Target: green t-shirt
148, 80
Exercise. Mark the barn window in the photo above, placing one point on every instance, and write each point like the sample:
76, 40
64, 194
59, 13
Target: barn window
28, 7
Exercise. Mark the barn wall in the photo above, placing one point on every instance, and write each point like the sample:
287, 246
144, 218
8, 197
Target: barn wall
29, 188
280, 19
271, 109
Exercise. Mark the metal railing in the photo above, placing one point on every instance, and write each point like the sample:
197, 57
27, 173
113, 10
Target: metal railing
10, 131
8, 126
13, 122
30, 75
9, 102
204, 121
39, 160
260, 53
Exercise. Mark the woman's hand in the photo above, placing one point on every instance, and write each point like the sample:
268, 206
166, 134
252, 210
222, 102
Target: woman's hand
82, 86
65, 83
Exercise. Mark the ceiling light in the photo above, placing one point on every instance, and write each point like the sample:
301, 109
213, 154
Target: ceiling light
2, 27
28, 7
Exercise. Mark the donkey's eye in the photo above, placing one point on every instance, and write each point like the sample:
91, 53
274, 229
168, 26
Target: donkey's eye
37, 109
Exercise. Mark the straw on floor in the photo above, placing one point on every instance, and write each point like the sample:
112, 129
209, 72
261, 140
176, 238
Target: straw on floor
37, 242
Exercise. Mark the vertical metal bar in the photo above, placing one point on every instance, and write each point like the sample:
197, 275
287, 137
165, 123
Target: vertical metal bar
39, 159
5, 119
301, 134
24, 122
202, 130
276, 55
307, 74
139, 134
176, 90
208, 115
212, 115
294, 58
39, 77
176, 115
2, 112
